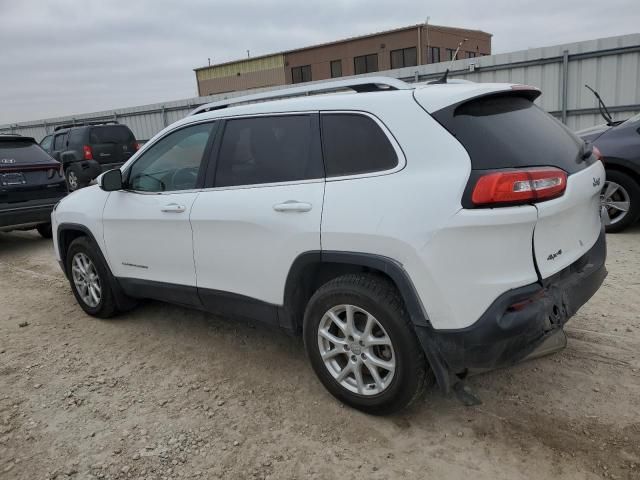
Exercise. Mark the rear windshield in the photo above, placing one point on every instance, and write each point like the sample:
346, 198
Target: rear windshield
506, 131
111, 134
16, 152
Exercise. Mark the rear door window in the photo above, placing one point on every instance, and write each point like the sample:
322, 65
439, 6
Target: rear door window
59, 143
271, 149
118, 134
76, 137
509, 131
354, 144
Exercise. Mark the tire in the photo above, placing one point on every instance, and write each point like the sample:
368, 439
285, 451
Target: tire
83, 247
44, 229
376, 296
627, 190
72, 176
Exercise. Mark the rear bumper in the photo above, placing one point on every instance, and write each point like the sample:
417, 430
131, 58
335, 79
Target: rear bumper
504, 335
25, 214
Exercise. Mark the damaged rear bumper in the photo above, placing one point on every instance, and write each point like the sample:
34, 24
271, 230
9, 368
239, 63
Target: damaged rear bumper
523, 323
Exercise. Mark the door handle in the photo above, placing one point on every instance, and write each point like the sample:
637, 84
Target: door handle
173, 208
292, 206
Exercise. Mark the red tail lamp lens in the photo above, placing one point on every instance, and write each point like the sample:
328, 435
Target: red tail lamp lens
519, 186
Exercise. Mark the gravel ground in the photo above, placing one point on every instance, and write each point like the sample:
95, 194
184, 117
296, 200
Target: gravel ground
165, 392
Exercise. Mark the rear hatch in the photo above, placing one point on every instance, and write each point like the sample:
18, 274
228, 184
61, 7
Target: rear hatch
506, 134
112, 144
27, 172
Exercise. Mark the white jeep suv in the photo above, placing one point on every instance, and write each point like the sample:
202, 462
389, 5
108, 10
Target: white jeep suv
409, 233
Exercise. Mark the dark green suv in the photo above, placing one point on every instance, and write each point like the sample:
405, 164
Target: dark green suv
89, 149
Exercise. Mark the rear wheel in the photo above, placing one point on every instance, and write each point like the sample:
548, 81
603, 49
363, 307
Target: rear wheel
362, 346
44, 229
620, 198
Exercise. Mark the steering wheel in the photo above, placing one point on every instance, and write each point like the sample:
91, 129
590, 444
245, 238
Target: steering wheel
184, 178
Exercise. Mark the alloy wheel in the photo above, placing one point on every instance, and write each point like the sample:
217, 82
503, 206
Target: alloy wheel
356, 350
86, 279
72, 180
615, 200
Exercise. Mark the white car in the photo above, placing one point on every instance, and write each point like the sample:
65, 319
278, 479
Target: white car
409, 233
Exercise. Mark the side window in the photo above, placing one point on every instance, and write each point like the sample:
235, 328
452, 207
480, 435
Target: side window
354, 144
75, 136
59, 143
46, 143
173, 163
269, 149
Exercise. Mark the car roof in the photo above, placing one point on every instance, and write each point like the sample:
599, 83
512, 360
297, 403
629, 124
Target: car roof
433, 97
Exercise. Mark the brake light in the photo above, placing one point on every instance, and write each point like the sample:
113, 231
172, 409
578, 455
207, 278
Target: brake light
88, 152
136, 145
519, 186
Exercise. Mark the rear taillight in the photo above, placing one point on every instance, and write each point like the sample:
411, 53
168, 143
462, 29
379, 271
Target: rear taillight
519, 186
88, 152
597, 153
136, 146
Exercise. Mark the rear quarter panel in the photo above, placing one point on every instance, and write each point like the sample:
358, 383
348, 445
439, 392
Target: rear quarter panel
459, 261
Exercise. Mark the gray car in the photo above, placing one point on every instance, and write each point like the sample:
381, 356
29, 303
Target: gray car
619, 144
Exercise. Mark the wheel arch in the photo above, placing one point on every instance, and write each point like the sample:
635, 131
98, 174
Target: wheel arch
311, 270
623, 166
67, 233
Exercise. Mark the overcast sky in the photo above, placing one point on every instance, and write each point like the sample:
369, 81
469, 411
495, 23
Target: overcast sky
62, 57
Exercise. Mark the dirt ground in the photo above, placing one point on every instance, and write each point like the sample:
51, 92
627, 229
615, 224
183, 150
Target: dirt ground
165, 392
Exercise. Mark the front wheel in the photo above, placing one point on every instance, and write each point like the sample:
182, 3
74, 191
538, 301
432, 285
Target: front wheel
362, 346
90, 279
620, 198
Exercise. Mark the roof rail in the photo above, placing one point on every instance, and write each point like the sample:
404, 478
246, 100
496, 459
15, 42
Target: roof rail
363, 84
84, 124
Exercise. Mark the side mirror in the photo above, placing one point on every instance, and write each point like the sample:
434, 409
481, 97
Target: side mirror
111, 181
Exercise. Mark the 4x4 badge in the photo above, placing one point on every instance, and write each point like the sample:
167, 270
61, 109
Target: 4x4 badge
596, 181
554, 255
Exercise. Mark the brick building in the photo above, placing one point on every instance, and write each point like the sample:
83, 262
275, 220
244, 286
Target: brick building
398, 48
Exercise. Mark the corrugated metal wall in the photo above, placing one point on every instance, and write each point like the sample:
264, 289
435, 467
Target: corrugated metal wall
610, 65
250, 65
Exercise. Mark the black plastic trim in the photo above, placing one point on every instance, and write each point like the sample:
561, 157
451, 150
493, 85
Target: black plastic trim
166, 292
217, 302
236, 305
121, 300
26, 215
63, 227
502, 336
390, 267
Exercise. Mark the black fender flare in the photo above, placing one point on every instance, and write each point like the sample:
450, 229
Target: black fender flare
122, 301
396, 272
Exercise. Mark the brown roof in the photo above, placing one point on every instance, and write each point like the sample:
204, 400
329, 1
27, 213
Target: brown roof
343, 40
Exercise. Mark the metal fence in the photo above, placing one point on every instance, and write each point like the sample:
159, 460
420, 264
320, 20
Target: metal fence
610, 65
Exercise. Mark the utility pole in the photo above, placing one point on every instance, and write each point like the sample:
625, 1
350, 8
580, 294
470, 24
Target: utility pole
426, 24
